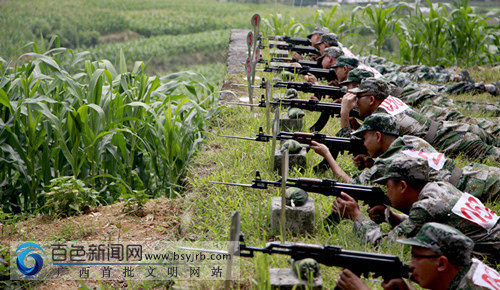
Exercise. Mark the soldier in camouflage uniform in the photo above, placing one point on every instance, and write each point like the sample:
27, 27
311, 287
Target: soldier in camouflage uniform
410, 191
329, 58
416, 73
314, 37
354, 77
451, 138
441, 259
343, 66
380, 134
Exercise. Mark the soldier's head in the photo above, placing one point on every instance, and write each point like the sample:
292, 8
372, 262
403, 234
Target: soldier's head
330, 55
438, 253
404, 177
378, 132
370, 93
344, 65
354, 78
327, 40
315, 35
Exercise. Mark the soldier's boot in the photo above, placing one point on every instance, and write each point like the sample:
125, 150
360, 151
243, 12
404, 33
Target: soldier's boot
494, 88
466, 76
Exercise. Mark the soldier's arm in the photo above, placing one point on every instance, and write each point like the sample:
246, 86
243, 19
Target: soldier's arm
322, 150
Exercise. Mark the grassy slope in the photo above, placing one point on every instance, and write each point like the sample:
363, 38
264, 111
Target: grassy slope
234, 160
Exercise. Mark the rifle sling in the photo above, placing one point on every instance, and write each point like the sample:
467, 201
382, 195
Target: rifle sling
456, 173
431, 133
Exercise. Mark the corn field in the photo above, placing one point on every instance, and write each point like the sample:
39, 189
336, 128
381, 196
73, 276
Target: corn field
120, 131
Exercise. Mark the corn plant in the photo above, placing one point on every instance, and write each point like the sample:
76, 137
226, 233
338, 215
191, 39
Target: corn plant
277, 25
381, 23
468, 35
118, 131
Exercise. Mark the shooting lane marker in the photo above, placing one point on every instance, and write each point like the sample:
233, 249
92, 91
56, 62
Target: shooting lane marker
284, 177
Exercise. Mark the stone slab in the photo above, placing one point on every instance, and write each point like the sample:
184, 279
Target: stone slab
286, 279
299, 220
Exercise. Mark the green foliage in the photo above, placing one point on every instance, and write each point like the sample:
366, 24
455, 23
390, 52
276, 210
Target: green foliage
381, 22
277, 25
67, 196
64, 115
134, 203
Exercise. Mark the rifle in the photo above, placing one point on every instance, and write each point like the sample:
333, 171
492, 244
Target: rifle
320, 73
334, 144
327, 109
318, 90
371, 195
360, 263
292, 47
308, 63
291, 40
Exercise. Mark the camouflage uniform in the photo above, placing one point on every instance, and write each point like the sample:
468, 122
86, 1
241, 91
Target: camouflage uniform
451, 138
454, 245
479, 180
435, 203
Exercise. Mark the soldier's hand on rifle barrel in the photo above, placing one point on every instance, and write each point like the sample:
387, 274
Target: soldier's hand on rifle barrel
297, 56
320, 148
311, 78
346, 206
349, 280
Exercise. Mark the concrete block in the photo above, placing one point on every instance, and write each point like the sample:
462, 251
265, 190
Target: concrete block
286, 279
299, 220
294, 160
288, 124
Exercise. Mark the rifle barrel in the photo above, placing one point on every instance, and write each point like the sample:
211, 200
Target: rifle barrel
230, 183
238, 137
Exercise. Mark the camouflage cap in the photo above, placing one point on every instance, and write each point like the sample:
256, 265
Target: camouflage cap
333, 51
406, 168
305, 267
331, 38
295, 113
293, 146
297, 195
319, 30
356, 76
383, 123
377, 87
347, 61
444, 240
291, 94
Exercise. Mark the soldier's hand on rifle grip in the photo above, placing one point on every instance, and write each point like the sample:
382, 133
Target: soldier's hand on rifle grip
377, 213
354, 123
346, 206
362, 161
337, 101
349, 280
395, 284
314, 98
